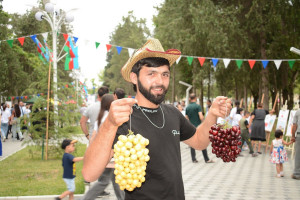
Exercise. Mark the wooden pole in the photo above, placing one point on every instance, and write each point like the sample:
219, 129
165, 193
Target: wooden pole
262, 99
241, 103
249, 106
275, 101
47, 122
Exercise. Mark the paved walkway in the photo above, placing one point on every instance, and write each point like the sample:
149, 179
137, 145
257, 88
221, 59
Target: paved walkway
249, 178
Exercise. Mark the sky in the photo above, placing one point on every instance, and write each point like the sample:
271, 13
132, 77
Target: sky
94, 21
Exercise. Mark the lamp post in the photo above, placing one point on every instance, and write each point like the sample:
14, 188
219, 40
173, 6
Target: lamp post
187, 91
75, 74
55, 19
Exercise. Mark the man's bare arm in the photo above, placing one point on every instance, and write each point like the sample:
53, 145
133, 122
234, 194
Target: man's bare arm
99, 152
220, 108
83, 125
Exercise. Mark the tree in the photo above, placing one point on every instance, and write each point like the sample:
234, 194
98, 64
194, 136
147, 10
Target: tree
130, 33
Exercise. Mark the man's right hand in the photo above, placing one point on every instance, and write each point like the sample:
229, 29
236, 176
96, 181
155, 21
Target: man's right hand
120, 111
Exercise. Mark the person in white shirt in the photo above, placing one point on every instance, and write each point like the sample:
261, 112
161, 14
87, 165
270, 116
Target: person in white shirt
108, 174
4, 121
237, 117
233, 111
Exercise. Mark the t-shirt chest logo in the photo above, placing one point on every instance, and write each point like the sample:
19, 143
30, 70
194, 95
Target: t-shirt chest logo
175, 132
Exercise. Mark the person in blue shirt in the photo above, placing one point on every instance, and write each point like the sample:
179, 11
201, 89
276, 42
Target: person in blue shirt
68, 163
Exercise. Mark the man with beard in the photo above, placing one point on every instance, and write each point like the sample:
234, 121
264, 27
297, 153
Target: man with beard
148, 70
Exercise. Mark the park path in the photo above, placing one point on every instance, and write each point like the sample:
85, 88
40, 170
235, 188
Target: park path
250, 178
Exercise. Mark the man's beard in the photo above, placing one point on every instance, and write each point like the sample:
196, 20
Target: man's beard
151, 97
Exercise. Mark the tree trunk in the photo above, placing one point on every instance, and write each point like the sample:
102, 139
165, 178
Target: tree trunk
173, 85
291, 90
201, 94
264, 72
208, 85
245, 97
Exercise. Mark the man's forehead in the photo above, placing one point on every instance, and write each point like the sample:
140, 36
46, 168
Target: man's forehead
160, 68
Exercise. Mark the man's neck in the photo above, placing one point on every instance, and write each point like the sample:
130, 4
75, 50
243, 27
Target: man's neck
142, 101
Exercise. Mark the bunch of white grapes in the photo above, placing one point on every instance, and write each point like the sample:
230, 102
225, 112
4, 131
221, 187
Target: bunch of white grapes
131, 157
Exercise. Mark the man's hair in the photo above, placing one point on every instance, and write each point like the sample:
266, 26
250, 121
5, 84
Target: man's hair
102, 91
148, 62
237, 103
208, 100
259, 105
239, 110
120, 93
192, 96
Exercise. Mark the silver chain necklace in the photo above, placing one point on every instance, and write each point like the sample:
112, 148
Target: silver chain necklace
160, 127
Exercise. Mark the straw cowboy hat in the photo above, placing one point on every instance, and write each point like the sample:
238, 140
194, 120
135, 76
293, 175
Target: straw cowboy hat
152, 48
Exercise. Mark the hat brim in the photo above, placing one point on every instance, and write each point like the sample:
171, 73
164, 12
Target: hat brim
171, 55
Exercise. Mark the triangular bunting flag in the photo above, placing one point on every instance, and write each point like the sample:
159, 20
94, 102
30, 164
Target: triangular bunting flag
239, 63
178, 59
251, 63
277, 63
65, 36
190, 59
75, 39
226, 62
97, 44
45, 35
130, 52
215, 61
119, 49
201, 60
291, 63
265, 63
10, 42
108, 46
21, 40
33, 38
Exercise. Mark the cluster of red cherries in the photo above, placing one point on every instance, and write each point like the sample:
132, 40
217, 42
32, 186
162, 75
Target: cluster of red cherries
225, 142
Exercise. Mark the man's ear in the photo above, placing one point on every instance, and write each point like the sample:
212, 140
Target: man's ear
133, 78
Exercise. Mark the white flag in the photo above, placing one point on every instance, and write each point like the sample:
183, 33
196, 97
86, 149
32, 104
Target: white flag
277, 63
45, 35
178, 59
130, 52
226, 62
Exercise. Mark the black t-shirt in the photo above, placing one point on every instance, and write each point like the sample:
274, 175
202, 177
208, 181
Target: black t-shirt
163, 173
69, 166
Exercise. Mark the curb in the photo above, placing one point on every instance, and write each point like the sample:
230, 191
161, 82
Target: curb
44, 197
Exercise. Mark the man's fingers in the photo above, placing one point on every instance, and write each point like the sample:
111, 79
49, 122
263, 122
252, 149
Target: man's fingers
125, 101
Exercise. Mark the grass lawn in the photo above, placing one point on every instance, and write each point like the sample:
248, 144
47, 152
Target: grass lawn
25, 174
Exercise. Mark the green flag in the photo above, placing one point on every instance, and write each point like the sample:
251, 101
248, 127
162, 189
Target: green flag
97, 44
10, 42
68, 58
239, 63
190, 59
291, 63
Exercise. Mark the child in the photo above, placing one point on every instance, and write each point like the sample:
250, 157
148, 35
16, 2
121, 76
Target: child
278, 153
243, 123
68, 163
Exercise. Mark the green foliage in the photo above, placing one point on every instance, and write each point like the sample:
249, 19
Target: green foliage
232, 29
36, 176
130, 33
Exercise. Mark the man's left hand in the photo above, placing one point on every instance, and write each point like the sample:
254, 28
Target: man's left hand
221, 107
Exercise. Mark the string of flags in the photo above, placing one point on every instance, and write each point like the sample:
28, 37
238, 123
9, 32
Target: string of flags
71, 61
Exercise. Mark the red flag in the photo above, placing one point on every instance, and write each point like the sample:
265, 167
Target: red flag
108, 46
251, 63
21, 40
65, 36
201, 60
71, 65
